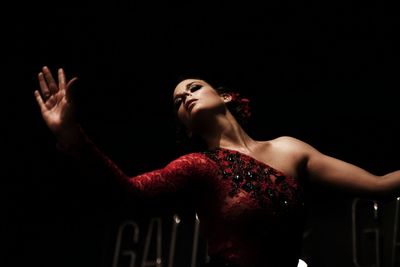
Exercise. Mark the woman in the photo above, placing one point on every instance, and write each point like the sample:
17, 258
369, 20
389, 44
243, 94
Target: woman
249, 194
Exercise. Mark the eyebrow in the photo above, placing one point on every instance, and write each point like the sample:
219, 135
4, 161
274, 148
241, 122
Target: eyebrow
187, 89
189, 84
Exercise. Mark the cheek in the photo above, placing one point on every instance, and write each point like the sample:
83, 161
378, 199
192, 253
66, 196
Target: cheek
209, 97
208, 93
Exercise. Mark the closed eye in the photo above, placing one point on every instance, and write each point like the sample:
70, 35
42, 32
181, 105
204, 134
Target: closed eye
195, 87
177, 103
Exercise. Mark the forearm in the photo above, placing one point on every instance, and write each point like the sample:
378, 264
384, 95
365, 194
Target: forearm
390, 184
94, 163
181, 176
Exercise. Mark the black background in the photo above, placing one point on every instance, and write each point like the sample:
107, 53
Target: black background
325, 73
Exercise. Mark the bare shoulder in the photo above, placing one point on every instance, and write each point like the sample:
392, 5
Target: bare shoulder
291, 143
286, 153
292, 146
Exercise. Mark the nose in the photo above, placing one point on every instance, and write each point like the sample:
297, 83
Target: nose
185, 97
187, 100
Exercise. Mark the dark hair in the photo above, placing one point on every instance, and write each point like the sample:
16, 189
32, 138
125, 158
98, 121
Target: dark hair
238, 106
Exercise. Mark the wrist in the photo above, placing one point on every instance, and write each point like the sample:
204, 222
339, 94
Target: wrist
68, 139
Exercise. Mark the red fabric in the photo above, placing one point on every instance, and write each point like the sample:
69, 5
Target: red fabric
250, 213
255, 217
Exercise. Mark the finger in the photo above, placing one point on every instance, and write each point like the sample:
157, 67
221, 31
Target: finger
40, 101
53, 88
61, 79
43, 86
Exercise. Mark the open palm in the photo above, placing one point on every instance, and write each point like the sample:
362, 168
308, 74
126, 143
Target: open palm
55, 101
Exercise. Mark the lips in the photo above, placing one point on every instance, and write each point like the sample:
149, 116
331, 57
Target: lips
189, 104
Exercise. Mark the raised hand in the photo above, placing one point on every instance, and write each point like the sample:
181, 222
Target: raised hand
55, 103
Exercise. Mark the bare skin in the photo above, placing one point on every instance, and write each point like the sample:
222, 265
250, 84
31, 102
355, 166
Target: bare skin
56, 104
203, 111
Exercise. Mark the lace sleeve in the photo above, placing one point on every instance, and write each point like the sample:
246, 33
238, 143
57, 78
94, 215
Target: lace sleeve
187, 173
182, 174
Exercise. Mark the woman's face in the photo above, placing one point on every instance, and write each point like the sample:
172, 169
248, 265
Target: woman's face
194, 99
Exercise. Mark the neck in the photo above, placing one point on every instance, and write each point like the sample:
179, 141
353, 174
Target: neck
226, 132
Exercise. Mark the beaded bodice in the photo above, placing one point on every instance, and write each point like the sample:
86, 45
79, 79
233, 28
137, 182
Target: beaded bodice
256, 214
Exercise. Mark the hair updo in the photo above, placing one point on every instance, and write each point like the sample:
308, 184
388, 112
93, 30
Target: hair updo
239, 106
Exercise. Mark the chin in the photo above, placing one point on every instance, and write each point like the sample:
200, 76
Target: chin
199, 111
195, 110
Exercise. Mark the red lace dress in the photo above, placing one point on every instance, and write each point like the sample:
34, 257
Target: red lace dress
250, 213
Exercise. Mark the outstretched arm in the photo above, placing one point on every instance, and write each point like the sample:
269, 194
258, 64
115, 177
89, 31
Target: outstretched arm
185, 174
333, 172
56, 105
325, 169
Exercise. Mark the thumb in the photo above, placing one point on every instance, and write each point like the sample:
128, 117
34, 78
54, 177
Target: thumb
69, 85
